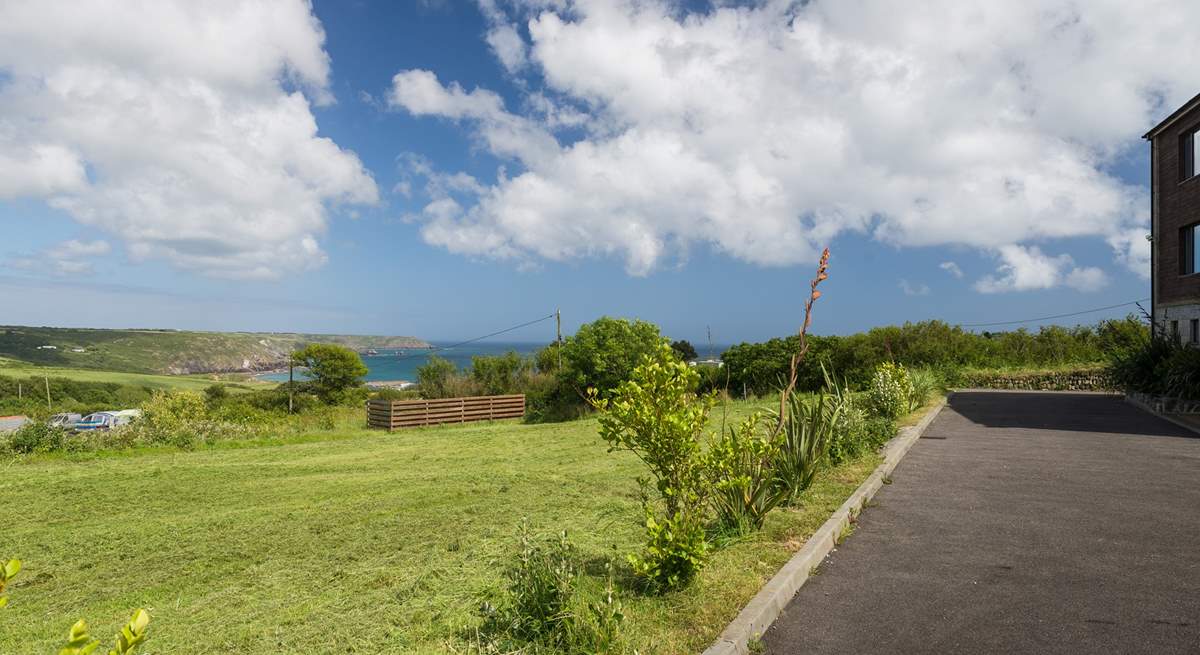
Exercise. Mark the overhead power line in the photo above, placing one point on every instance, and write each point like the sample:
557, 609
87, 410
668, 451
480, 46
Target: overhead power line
486, 336
1048, 318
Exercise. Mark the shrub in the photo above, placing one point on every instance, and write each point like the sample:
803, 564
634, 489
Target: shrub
395, 394
8, 571
685, 350
177, 418
807, 433
849, 437
891, 390
658, 417
1141, 367
434, 377
878, 430
602, 354
744, 485
676, 548
499, 375
334, 371
1181, 374
36, 437
543, 605
216, 393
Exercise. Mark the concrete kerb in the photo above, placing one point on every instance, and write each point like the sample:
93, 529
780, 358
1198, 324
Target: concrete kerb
1166, 417
769, 602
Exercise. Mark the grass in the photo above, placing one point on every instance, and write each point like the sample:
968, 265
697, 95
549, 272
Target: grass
19, 369
360, 543
168, 351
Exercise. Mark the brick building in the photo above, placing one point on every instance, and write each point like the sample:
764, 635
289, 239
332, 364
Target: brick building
1175, 222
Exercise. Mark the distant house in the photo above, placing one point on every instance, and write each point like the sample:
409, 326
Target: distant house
47, 347
1175, 222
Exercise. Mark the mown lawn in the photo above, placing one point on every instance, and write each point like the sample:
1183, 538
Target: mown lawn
375, 543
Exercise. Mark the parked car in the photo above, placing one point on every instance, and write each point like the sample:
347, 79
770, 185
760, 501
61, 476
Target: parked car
67, 421
107, 420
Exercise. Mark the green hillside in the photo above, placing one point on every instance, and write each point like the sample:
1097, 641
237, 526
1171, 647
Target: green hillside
171, 352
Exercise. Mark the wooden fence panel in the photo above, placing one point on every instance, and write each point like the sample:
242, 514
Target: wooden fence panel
392, 414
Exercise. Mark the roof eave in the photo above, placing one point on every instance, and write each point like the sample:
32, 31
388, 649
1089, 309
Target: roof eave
1175, 115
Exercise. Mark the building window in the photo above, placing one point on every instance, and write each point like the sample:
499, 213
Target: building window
1196, 330
1189, 150
1189, 258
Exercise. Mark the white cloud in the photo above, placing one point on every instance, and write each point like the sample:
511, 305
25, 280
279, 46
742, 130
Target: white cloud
1026, 269
66, 258
951, 268
185, 129
911, 290
765, 131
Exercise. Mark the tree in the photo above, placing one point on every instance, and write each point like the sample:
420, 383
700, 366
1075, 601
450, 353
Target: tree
433, 379
334, 370
603, 353
499, 374
685, 350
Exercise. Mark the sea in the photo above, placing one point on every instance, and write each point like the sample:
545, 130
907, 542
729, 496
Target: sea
396, 364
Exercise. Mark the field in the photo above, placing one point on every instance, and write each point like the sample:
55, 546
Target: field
170, 351
17, 369
361, 542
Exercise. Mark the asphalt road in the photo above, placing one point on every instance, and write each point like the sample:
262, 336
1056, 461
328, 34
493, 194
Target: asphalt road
1020, 522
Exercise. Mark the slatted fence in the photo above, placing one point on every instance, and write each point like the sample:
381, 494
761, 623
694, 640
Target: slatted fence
393, 414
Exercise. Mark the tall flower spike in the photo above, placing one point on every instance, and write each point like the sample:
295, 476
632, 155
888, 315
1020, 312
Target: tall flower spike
822, 275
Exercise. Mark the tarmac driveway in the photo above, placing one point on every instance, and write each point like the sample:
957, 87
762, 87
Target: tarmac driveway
1020, 522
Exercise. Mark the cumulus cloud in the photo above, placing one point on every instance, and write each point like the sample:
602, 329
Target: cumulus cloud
951, 268
183, 128
765, 131
70, 257
1025, 269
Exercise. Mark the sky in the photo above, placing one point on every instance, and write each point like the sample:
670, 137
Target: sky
450, 168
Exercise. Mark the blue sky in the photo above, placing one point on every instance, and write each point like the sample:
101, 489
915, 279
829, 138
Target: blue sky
384, 273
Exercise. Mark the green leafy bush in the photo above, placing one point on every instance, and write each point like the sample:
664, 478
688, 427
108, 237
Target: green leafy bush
658, 416
1142, 367
760, 368
741, 464
8, 571
37, 437
891, 390
1181, 374
603, 354
685, 350
676, 548
178, 418
500, 374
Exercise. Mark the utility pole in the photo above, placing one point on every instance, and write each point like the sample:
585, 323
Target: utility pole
290, 365
47, 393
558, 329
20, 392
